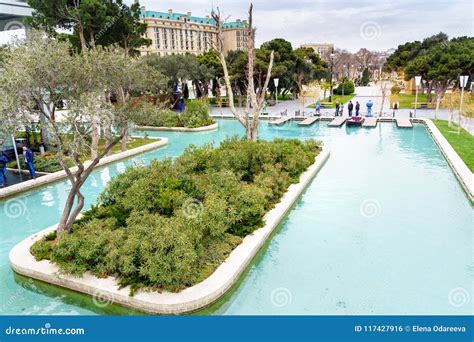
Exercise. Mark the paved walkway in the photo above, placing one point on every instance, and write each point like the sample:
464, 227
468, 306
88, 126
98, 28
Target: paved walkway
363, 95
15, 178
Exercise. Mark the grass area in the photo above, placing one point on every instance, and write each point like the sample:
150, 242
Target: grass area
406, 100
134, 143
335, 98
462, 143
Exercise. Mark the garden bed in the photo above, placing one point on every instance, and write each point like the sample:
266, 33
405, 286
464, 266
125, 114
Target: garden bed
168, 251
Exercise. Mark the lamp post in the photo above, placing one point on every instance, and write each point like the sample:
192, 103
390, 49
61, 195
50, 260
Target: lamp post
331, 56
463, 83
417, 84
276, 81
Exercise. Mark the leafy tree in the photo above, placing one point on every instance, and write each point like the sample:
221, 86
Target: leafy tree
40, 72
308, 66
365, 77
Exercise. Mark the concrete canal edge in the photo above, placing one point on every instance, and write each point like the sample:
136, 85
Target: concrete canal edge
212, 127
56, 176
460, 169
188, 300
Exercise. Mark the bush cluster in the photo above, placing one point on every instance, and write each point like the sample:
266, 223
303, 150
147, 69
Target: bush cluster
169, 225
348, 85
195, 115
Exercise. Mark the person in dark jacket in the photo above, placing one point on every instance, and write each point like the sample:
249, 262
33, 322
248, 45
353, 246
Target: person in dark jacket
357, 108
337, 108
350, 107
3, 169
29, 161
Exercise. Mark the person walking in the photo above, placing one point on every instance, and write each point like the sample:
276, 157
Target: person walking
29, 161
357, 108
318, 108
337, 108
350, 107
3, 169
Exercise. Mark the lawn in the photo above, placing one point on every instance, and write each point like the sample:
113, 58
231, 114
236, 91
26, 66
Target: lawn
406, 100
335, 98
462, 143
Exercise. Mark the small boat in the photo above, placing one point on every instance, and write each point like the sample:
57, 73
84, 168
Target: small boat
355, 121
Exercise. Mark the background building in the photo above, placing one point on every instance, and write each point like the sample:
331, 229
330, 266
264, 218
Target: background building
323, 49
178, 33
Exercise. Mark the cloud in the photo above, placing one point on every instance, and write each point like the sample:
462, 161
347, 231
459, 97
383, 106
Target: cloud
340, 22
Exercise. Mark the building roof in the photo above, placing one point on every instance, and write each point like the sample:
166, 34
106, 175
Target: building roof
177, 16
199, 20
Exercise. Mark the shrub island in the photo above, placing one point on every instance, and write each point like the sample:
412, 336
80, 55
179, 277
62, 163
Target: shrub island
170, 224
195, 115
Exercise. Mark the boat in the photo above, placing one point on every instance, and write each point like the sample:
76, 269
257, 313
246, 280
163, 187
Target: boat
354, 121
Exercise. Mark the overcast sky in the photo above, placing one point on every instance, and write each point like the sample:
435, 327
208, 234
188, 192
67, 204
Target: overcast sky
376, 25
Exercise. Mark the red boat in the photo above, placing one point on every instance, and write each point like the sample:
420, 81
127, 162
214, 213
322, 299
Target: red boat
355, 121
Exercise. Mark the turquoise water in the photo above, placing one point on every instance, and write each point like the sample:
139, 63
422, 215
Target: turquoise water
383, 229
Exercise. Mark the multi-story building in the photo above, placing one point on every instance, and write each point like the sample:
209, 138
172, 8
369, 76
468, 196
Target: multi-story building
177, 33
323, 49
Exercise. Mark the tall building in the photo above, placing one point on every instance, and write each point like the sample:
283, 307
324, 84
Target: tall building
323, 49
178, 33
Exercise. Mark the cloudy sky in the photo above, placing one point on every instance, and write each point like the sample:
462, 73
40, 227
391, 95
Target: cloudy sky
377, 25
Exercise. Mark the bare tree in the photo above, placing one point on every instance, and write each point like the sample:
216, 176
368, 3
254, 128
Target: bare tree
248, 117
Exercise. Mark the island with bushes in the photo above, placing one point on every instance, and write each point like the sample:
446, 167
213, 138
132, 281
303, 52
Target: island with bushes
169, 225
195, 117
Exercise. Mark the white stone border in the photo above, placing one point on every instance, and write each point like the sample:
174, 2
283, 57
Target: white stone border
56, 176
460, 169
188, 300
212, 127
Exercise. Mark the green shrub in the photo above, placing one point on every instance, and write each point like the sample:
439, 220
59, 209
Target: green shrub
168, 225
348, 87
195, 115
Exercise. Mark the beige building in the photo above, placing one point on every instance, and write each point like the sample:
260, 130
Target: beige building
177, 33
323, 49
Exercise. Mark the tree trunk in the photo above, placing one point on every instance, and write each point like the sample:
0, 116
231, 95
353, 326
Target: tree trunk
123, 146
451, 116
95, 137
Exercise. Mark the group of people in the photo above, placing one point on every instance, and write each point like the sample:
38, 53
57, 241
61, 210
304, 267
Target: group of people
29, 159
350, 108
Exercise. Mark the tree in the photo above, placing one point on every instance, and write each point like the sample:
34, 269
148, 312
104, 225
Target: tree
308, 66
41, 71
365, 77
250, 118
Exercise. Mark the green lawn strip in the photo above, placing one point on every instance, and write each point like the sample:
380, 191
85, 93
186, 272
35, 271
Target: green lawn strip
335, 98
407, 101
462, 143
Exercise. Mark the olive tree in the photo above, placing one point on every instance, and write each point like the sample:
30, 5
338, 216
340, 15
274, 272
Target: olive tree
41, 71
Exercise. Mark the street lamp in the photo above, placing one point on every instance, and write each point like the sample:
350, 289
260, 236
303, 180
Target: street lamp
275, 82
417, 84
331, 56
463, 83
